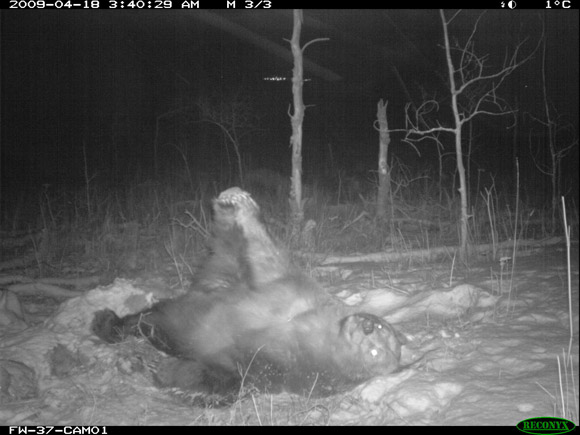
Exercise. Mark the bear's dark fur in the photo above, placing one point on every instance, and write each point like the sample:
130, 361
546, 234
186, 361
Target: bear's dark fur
252, 319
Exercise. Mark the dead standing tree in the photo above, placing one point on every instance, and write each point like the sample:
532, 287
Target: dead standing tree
384, 173
297, 119
384, 190
473, 93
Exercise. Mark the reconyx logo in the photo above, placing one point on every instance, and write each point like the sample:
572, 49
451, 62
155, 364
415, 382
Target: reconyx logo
545, 425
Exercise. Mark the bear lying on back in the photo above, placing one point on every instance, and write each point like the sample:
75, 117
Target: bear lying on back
252, 317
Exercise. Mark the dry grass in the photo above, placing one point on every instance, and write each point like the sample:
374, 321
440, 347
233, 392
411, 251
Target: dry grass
125, 229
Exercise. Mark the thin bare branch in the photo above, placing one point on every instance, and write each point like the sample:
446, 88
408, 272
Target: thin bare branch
313, 41
453, 17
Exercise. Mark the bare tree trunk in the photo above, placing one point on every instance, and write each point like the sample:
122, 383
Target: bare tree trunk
458, 150
384, 173
296, 204
440, 159
468, 160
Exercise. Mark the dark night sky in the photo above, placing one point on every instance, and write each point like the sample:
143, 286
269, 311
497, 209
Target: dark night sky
102, 77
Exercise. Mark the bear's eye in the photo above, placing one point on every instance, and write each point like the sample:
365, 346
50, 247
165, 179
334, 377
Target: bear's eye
368, 326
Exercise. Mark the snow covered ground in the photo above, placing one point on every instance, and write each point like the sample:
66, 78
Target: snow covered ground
483, 351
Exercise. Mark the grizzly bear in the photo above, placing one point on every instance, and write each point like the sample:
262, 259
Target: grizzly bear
253, 320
